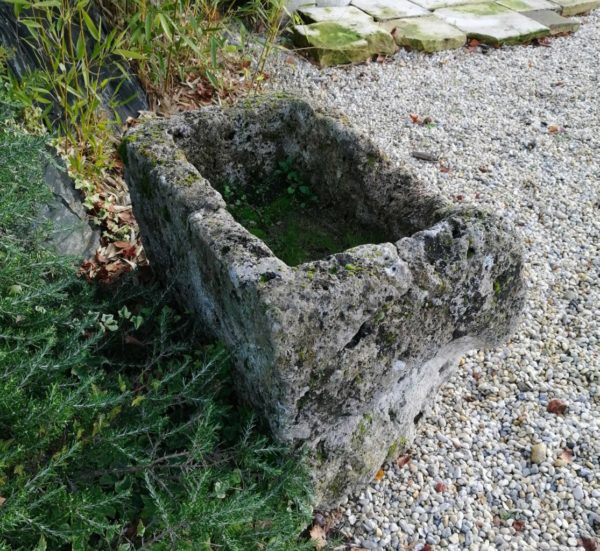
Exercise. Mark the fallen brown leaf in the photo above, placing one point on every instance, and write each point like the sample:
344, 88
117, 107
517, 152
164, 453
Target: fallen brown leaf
518, 525
2, 501
559, 407
318, 537
440, 487
553, 129
403, 460
589, 544
379, 475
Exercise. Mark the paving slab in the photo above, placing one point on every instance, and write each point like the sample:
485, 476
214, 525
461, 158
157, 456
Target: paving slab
428, 33
528, 5
332, 3
292, 6
338, 14
332, 43
437, 4
575, 7
384, 10
556, 23
493, 24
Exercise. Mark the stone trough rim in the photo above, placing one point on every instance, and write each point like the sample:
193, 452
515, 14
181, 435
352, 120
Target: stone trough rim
445, 209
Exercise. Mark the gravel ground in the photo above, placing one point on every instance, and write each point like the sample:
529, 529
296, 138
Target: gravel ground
518, 131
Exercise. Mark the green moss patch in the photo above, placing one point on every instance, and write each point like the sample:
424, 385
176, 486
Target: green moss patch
288, 215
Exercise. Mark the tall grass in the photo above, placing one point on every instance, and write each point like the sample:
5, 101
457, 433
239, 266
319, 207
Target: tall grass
169, 43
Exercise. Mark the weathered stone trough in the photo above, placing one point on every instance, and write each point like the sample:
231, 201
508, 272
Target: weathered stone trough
341, 354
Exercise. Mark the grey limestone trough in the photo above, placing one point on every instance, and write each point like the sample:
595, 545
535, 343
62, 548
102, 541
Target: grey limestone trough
341, 355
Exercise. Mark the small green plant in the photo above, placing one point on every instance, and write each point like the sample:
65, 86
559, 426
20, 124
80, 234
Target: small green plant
285, 212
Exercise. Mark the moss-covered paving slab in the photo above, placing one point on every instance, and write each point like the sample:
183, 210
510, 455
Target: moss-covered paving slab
384, 10
493, 24
575, 7
556, 23
437, 4
337, 14
331, 43
529, 5
428, 33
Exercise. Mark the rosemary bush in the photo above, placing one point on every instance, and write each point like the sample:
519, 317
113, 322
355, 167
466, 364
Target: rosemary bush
116, 431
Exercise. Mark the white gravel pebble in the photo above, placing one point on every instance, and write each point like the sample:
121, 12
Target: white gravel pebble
517, 131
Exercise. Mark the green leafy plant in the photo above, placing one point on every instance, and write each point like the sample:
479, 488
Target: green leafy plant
73, 48
117, 431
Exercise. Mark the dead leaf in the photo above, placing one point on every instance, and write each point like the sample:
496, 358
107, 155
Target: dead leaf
566, 455
415, 119
589, 544
130, 252
553, 129
318, 537
379, 475
440, 487
473, 44
2, 501
518, 525
444, 168
556, 406
544, 41
130, 339
403, 460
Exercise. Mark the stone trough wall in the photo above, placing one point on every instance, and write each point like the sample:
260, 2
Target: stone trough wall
340, 355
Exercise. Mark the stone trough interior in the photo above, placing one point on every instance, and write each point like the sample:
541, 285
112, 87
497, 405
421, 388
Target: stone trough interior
299, 184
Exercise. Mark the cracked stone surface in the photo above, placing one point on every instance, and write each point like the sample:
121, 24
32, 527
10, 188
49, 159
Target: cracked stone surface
528, 5
384, 10
494, 22
430, 34
340, 14
333, 43
556, 23
341, 355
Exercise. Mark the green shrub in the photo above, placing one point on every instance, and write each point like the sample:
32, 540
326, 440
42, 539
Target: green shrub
116, 430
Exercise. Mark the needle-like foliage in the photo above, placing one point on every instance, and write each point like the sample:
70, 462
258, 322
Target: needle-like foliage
118, 430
